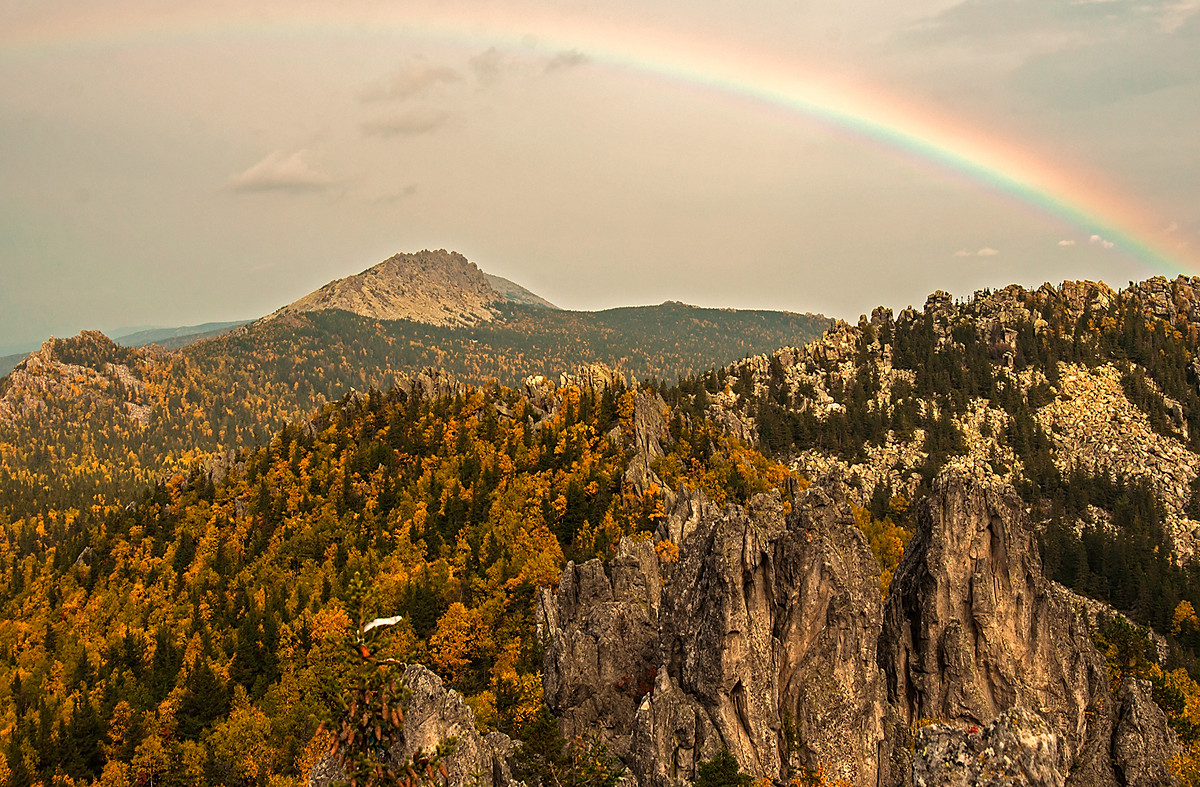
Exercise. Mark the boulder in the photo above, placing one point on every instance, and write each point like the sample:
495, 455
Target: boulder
435, 714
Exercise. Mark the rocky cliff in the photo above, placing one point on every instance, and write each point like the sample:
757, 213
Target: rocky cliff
973, 630
90, 369
761, 639
767, 636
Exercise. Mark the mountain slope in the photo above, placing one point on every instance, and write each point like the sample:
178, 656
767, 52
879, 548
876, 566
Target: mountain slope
1085, 399
515, 293
433, 287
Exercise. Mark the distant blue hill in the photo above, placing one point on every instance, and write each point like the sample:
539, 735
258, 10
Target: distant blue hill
174, 338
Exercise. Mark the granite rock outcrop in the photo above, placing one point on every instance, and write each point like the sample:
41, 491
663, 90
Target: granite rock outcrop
760, 639
767, 636
436, 714
973, 629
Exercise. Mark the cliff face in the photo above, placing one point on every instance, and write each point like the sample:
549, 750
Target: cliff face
972, 630
768, 637
760, 639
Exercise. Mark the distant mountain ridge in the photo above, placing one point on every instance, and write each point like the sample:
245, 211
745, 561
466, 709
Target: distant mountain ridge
440, 288
175, 338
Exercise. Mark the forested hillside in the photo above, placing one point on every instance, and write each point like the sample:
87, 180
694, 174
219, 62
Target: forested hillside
85, 423
197, 636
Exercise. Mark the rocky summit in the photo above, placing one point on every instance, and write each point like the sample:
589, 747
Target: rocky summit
433, 287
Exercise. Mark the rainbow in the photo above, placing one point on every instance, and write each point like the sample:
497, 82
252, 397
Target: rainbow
916, 133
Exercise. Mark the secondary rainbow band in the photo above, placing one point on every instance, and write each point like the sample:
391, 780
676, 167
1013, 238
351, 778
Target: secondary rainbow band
935, 142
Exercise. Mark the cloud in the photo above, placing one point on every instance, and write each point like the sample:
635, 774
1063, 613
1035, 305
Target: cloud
1103, 243
489, 65
409, 81
570, 58
1071, 54
395, 196
1066, 243
1041, 23
420, 121
281, 172
984, 252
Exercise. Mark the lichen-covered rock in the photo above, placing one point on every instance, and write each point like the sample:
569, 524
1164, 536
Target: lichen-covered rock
1142, 742
1018, 748
435, 714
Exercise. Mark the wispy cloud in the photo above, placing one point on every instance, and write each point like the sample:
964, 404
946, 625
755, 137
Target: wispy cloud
1066, 243
570, 58
489, 66
395, 196
1103, 243
409, 81
1047, 21
419, 121
1071, 53
984, 252
281, 171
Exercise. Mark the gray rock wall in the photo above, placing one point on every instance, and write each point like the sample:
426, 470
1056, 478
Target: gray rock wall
973, 629
768, 637
760, 639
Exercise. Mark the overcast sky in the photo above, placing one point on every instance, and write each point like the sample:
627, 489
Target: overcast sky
167, 162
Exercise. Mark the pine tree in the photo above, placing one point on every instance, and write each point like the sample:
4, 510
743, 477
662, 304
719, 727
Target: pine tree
721, 771
541, 761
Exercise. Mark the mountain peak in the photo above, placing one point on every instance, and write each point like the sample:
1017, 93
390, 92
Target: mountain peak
433, 287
